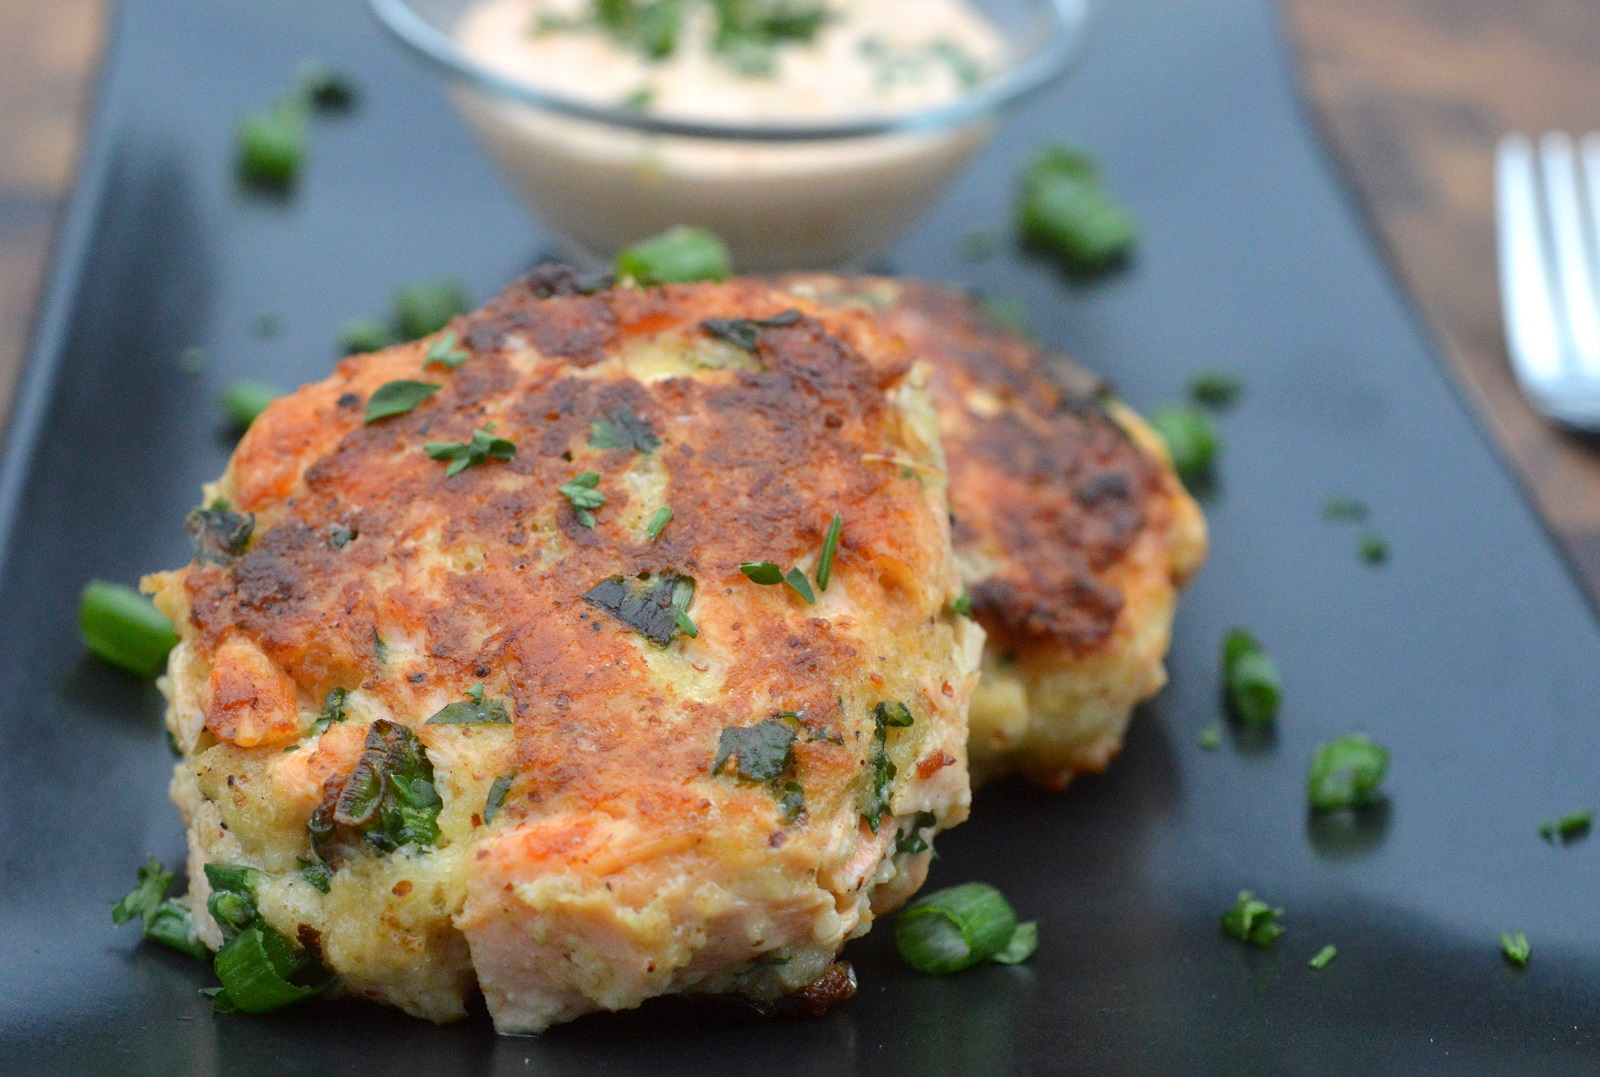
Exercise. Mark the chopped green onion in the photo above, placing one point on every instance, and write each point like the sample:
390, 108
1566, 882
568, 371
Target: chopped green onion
1323, 957
397, 398
1569, 827
655, 612
1215, 388
962, 603
678, 256
258, 969
423, 309
272, 145
830, 549
1066, 211
1515, 947
124, 628
1372, 548
242, 401
1024, 941
1251, 679
1340, 509
658, 520
581, 491
1252, 921
1345, 773
957, 928
1191, 439
1210, 738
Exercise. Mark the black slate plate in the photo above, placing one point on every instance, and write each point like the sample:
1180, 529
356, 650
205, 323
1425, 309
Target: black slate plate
1471, 654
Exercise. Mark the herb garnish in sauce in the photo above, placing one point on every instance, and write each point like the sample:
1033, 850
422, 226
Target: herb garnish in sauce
656, 612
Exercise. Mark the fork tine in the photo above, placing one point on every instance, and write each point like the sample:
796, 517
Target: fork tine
1569, 239
1532, 333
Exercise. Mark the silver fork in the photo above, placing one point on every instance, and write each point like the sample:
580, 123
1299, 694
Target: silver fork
1547, 210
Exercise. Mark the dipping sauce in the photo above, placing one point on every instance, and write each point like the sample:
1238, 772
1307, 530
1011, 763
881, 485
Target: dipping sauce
806, 204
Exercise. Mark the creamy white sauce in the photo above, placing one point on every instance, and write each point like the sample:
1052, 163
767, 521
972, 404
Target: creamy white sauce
814, 204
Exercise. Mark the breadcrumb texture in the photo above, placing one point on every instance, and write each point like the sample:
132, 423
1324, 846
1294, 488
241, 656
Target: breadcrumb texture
1073, 532
619, 866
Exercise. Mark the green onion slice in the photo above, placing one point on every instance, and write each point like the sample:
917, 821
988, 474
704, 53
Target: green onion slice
242, 401
259, 971
1251, 679
1192, 440
830, 549
124, 628
955, 929
1345, 773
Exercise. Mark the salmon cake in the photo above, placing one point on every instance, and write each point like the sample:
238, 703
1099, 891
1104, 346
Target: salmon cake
526, 660
1073, 531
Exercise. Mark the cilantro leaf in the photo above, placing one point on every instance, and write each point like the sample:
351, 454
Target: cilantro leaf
763, 752
475, 710
445, 353
623, 429
498, 791
656, 612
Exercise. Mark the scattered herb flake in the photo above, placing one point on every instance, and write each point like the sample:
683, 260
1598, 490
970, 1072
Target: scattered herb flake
656, 612
911, 840
763, 752
1372, 548
318, 874
218, 534
746, 332
333, 710
446, 353
582, 491
1065, 210
830, 550
623, 429
678, 256
1210, 738
242, 401
1345, 773
162, 919
326, 88
792, 804
1251, 678
1569, 828
1253, 921
1324, 957
481, 448
496, 799
397, 398
1215, 388
1340, 509
1191, 439
885, 716
424, 308
763, 572
1514, 945
271, 145
475, 710
962, 603
800, 585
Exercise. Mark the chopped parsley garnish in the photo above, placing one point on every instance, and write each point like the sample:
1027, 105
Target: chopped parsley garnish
445, 352
122, 627
327, 88
649, 27
749, 32
1569, 827
1215, 388
830, 550
333, 710
397, 398
761, 753
910, 840
581, 491
388, 799
623, 429
1514, 945
792, 805
219, 535
1372, 548
1250, 678
885, 716
424, 308
470, 454
746, 332
962, 926
271, 144
1340, 509
366, 335
1210, 738
499, 789
1011, 313
1191, 440
164, 919
1253, 921
1323, 957
1065, 210
317, 874
656, 612
1345, 773
678, 256
242, 401
658, 521
767, 574
474, 710
962, 603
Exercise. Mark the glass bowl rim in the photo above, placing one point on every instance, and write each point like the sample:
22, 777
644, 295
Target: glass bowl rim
1069, 27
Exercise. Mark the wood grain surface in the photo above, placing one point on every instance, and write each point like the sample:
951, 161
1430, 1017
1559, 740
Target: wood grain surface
1410, 94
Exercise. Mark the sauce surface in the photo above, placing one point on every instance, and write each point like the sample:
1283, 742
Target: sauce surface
863, 57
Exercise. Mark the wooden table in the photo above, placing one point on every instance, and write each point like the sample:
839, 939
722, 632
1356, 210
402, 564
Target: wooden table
1411, 94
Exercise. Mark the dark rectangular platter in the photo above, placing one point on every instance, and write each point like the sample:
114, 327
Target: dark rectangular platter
1471, 653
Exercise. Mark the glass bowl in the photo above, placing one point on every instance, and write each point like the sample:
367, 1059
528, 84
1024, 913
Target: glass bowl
782, 195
